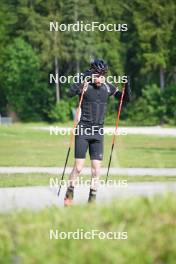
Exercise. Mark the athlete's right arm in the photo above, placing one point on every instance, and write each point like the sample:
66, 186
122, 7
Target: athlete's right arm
75, 89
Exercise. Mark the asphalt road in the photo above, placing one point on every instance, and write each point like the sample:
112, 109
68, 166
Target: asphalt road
86, 171
37, 198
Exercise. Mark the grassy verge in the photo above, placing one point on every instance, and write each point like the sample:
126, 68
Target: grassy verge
21, 145
38, 179
149, 222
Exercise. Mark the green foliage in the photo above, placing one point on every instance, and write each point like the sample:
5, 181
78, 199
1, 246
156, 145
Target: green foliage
20, 69
60, 112
170, 103
154, 34
149, 109
146, 52
22, 79
149, 223
154, 107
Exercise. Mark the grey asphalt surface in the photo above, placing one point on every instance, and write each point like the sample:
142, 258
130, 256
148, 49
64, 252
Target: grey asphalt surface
39, 197
86, 171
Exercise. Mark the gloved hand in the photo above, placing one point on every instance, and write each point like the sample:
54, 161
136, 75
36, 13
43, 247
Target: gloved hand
85, 85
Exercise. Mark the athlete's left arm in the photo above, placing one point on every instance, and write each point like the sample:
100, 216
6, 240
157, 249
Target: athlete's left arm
117, 94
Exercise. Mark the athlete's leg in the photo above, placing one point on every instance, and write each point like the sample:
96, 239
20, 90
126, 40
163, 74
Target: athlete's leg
78, 165
81, 145
96, 155
77, 168
95, 168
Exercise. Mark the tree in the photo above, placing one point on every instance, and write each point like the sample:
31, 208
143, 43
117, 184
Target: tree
79, 45
7, 20
108, 45
155, 22
24, 92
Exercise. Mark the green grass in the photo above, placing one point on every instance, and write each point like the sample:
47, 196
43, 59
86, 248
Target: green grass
21, 145
38, 179
149, 222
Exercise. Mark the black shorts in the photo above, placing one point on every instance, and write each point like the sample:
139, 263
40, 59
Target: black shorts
93, 142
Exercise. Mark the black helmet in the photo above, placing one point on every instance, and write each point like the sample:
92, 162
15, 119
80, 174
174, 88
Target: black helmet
99, 66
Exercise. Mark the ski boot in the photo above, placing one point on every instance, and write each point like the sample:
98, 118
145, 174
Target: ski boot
68, 200
92, 196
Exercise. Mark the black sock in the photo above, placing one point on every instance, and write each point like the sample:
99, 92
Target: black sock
92, 195
70, 192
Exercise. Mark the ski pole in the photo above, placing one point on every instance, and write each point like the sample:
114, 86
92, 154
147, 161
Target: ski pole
71, 135
117, 124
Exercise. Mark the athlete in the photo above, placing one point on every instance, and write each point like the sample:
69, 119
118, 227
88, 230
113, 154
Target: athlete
89, 129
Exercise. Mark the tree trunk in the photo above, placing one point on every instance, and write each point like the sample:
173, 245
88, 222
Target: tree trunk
162, 83
57, 83
76, 48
